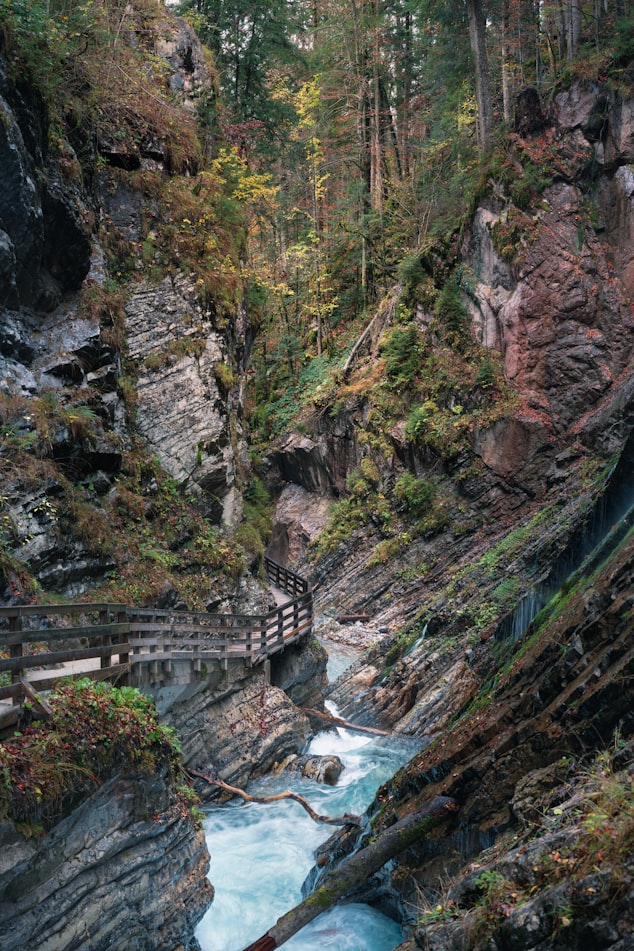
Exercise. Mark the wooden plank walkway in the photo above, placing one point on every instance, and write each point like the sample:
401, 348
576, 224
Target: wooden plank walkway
42, 644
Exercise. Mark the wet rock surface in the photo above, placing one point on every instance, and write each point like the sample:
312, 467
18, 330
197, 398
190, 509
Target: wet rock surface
240, 728
320, 769
300, 671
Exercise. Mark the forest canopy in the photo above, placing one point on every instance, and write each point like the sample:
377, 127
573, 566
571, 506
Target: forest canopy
376, 123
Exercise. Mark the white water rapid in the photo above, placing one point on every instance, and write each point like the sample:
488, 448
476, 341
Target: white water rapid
261, 854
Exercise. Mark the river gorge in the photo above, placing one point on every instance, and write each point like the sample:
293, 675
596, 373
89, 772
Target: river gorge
339, 327
261, 854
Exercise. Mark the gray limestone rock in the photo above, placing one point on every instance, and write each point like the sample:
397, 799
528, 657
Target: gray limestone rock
240, 727
9, 296
21, 215
181, 412
125, 870
182, 49
321, 769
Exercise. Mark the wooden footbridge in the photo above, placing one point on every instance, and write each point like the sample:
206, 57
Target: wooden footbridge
43, 644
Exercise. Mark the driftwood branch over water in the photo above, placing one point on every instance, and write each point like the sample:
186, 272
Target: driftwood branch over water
345, 724
346, 820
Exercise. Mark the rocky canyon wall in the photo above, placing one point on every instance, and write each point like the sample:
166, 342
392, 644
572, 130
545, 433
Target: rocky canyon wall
127, 869
96, 351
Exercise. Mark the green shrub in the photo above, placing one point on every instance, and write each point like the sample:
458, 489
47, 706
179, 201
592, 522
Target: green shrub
401, 350
357, 485
418, 421
411, 270
254, 532
530, 184
486, 377
370, 471
96, 730
225, 377
451, 308
42, 35
417, 495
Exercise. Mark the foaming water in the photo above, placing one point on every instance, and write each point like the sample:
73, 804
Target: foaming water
261, 854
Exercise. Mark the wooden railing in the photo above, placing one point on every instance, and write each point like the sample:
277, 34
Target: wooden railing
47, 643
284, 578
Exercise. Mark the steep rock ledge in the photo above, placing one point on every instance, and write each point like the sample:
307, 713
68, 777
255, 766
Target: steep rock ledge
561, 691
181, 413
525, 862
548, 293
550, 296
125, 870
78, 273
240, 727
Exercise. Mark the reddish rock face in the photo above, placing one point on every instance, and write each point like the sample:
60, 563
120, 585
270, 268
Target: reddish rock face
567, 330
518, 448
616, 200
561, 312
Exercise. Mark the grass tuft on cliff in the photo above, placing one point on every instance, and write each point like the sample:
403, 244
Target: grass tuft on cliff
96, 730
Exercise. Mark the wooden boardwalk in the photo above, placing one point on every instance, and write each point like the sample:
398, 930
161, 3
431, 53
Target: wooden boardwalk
43, 644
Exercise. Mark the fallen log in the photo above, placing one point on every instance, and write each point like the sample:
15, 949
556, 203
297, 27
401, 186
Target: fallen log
381, 320
355, 870
344, 724
346, 820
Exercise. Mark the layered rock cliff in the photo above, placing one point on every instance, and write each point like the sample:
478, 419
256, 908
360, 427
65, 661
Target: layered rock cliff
521, 484
58, 891
548, 295
114, 351
123, 339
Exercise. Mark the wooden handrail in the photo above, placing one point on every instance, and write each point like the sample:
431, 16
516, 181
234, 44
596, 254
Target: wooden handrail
126, 638
80, 607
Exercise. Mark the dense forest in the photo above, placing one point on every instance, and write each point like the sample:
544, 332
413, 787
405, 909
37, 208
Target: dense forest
370, 130
321, 179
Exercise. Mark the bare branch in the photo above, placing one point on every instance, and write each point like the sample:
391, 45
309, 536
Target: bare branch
346, 820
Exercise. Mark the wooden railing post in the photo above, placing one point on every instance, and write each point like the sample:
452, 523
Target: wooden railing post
16, 650
106, 641
280, 625
249, 640
153, 668
122, 617
263, 635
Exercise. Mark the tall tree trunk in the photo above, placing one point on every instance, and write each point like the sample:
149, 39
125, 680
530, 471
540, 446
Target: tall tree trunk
506, 61
407, 93
388, 121
477, 35
537, 29
317, 257
364, 133
562, 33
573, 27
377, 145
